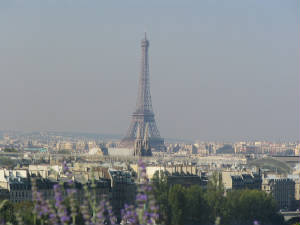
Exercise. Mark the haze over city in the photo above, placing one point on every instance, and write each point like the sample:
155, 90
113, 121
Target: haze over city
218, 70
149, 112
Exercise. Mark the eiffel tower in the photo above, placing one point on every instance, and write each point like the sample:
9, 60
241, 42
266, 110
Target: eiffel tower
143, 115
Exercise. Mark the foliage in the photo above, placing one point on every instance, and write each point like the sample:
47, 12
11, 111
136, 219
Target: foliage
161, 192
13, 211
24, 210
215, 197
193, 205
246, 206
7, 211
10, 150
65, 210
177, 204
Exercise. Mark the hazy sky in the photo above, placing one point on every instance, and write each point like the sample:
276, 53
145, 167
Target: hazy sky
219, 70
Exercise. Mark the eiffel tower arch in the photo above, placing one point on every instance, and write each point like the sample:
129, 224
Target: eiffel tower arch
143, 113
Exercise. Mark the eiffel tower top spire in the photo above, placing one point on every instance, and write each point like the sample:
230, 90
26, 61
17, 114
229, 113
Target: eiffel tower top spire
144, 103
143, 113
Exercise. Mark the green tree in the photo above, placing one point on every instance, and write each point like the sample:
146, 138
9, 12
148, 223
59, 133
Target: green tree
246, 206
177, 204
197, 209
161, 193
215, 197
7, 212
25, 210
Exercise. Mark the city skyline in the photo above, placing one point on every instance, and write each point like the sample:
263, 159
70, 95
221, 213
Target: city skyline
231, 75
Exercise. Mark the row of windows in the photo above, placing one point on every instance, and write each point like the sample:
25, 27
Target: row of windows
20, 194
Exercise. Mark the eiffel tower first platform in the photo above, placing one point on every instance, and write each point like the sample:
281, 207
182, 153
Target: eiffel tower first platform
143, 114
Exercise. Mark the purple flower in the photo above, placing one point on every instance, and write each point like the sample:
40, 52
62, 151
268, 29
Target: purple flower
65, 167
141, 197
61, 208
146, 210
64, 218
41, 207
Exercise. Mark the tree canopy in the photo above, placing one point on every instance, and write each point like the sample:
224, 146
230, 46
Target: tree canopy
193, 205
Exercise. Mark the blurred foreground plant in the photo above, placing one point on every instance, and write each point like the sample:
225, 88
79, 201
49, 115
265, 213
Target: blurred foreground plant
64, 209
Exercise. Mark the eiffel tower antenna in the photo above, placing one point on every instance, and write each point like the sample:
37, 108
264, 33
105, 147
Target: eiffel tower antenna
143, 113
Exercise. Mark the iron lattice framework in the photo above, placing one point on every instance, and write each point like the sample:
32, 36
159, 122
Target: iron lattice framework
143, 114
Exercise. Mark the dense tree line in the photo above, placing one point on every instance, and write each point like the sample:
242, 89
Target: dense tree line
192, 205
